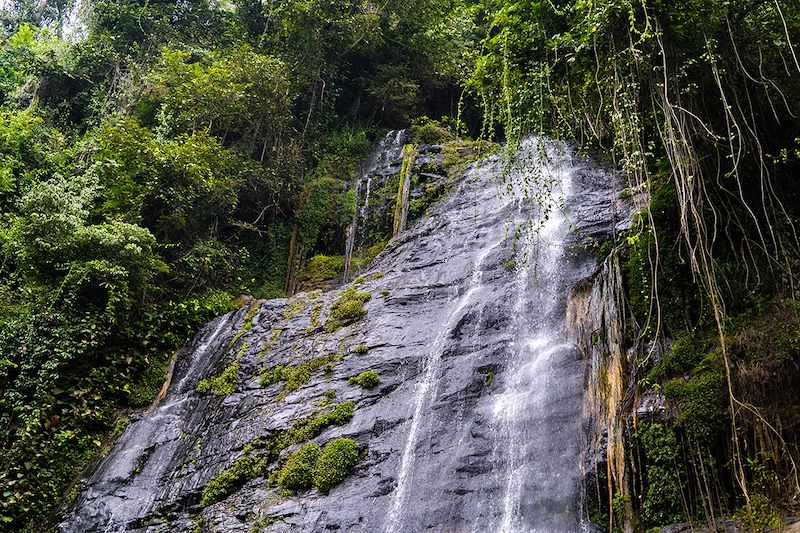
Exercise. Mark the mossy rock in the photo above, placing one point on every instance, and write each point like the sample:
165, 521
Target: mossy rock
348, 308
334, 464
368, 380
243, 470
431, 132
298, 472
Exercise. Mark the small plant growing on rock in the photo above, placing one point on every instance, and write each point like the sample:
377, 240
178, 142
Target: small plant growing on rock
348, 308
510, 265
243, 469
271, 376
222, 385
308, 428
361, 350
369, 379
295, 377
203, 387
335, 462
298, 472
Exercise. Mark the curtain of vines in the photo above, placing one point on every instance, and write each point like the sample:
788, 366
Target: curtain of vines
698, 101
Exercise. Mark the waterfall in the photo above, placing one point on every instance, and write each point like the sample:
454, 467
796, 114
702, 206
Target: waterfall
476, 423
124, 481
535, 414
383, 162
423, 386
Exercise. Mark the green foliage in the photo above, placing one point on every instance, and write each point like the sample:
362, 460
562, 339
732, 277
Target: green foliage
243, 470
368, 380
294, 377
222, 385
335, 462
308, 428
323, 267
702, 400
662, 504
28, 153
231, 95
762, 515
325, 206
361, 350
298, 472
685, 354
348, 308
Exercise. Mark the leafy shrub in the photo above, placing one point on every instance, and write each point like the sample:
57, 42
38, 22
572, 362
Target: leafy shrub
368, 379
428, 131
297, 473
222, 385
335, 462
348, 308
324, 267
243, 470
308, 428
702, 400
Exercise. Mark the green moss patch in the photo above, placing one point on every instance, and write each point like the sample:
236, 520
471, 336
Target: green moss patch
368, 380
308, 428
334, 464
222, 385
347, 309
309, 466
295, 377
243, 470
298, 471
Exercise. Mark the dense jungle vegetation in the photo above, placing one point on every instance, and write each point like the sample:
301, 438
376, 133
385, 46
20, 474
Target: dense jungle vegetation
159, 158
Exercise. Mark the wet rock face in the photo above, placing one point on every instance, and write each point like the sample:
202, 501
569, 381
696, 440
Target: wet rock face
475, 424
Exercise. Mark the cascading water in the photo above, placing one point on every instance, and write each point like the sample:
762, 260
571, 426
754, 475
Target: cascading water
423, 387
532, 484
475, 425
146, 449
382, 162
536, 413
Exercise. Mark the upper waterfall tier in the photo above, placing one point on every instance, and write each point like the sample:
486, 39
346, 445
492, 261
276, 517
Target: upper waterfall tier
475, 423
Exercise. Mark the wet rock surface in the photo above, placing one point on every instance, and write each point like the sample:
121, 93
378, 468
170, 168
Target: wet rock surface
469, 430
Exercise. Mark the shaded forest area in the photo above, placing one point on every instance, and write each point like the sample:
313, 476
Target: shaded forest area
164, 157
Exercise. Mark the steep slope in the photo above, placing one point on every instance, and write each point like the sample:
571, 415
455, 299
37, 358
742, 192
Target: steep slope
475, 423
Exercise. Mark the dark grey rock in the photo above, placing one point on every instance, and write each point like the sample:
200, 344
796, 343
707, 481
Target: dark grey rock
475, 426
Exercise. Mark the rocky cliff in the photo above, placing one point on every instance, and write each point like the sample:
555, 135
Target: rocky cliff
448, 362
